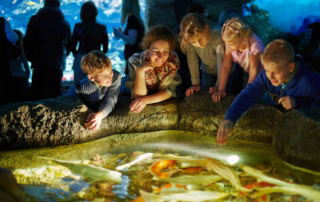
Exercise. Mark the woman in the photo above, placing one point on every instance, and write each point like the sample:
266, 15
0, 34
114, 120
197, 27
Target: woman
153, 73
90, 36
134, 31
199, 39
20, 72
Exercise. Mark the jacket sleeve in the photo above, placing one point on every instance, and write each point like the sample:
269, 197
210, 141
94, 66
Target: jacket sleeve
30, 39
105, 40
110, 99
193, 63
313, 100
247, 98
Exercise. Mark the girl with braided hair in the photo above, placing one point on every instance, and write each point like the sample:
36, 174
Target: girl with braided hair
244, 48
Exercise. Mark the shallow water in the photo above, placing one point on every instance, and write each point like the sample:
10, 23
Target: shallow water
56, 183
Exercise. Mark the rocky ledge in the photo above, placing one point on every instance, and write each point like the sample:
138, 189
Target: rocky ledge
295, 134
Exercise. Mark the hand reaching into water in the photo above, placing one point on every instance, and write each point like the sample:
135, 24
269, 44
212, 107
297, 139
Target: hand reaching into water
224, 131
10, 191
216, 96
93, 121
190, 90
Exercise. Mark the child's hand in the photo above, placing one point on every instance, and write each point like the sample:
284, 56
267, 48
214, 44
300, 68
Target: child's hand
213, 89
190, 90
93, 121
287, 102
138, 105
224, 131
216, 96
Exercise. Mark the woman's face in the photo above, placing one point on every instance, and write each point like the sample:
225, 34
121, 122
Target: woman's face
159, 52
201, 40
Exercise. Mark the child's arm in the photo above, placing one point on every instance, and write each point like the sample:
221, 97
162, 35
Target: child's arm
254, 67
109, 101
225, 69
193, 63
243, 102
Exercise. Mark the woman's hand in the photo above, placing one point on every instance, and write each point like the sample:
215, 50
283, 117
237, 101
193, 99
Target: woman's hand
216, 96
117, 32
138, 105
144, 66
190, 90
213, 89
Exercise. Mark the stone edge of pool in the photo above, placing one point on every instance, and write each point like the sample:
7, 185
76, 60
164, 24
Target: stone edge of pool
295, 134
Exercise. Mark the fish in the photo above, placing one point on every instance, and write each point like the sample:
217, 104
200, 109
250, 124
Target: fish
170, 187
31, 3
186, 161
156, 168
226, 172
191, 180
282, 186
141, 158
189, 195
93, 172
310, 193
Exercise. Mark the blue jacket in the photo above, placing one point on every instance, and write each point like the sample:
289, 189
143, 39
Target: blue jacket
304, 88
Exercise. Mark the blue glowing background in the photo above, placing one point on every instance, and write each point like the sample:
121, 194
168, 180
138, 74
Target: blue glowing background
18, 13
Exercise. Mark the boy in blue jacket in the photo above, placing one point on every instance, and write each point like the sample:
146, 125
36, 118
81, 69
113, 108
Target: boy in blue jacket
284, 77
99, 91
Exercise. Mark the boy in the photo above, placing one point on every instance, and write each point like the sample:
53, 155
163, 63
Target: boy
284, 77
99, 91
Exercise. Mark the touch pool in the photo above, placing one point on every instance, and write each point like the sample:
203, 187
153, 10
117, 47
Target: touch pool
163, 166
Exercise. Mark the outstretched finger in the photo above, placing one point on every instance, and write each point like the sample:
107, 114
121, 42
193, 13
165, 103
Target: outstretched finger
191, 91
134, 104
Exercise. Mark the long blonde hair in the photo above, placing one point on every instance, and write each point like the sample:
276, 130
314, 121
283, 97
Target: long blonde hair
130, 7
234, 31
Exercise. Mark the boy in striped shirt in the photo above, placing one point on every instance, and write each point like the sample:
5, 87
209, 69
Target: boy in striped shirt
99, 91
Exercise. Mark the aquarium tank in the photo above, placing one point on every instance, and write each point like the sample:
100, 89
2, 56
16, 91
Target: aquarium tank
18, 13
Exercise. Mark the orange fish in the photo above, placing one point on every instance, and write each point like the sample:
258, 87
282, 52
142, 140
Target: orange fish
156, 168
171, 187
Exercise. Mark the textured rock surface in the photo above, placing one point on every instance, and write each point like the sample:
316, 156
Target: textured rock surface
297, 138
60, 121
199, 113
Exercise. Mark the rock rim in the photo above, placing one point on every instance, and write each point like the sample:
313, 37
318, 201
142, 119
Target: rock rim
295, 134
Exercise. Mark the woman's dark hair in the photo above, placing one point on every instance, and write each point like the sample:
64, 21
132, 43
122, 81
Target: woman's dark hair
52, 3
88, 12
158, 33
19, 43
196, 8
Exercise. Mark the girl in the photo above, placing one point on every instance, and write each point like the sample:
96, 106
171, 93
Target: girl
153, 73
200, 40
134, 31
90, 36
243, 47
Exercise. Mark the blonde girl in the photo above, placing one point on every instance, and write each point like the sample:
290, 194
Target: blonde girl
199, 39
243, 47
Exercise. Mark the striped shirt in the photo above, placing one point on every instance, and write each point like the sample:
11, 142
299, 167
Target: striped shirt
99, 98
